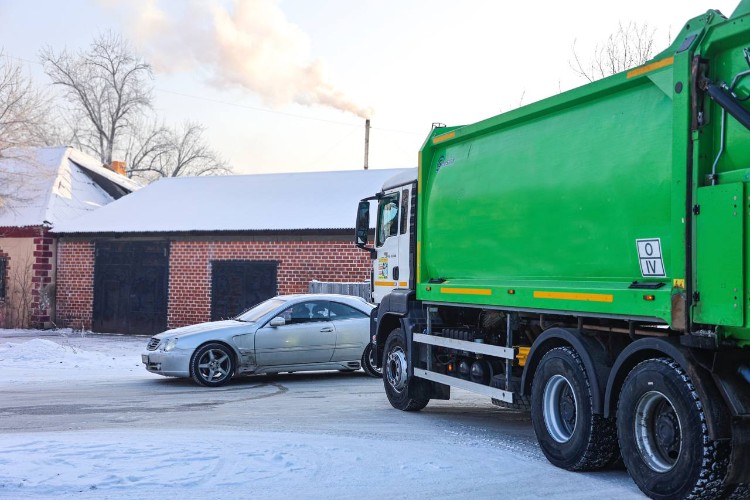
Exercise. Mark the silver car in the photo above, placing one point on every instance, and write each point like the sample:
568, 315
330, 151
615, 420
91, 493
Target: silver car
283, 334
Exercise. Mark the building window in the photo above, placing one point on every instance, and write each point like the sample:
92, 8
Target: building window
3, 276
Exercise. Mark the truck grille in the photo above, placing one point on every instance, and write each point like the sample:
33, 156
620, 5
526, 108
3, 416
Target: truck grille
153, 344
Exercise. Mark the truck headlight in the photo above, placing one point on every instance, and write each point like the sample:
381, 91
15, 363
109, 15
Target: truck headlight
170, 344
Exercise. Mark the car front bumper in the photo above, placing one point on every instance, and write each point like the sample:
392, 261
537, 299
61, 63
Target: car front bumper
170, 364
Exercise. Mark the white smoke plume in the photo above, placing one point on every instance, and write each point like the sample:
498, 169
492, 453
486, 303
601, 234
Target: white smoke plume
241, 43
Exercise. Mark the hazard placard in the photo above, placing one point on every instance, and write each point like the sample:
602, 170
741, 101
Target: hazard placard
650, 258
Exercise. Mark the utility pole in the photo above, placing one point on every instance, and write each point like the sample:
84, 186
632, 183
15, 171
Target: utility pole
367, 141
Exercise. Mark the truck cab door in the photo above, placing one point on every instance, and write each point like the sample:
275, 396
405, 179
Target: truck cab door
392, 266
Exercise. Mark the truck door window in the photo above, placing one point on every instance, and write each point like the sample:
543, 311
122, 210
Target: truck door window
404, 210
387, 217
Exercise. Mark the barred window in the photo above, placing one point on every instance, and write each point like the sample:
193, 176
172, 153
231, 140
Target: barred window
3, 269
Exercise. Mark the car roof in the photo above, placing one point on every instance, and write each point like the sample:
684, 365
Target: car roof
351, 300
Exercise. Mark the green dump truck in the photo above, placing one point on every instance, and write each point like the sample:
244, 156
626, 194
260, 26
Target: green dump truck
587, 257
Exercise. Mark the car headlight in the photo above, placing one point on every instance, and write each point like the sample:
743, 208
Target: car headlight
170, 344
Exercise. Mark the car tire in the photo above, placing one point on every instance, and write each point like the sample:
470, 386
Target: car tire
212, 365
569, 433
369, 363
661, 425
395, 374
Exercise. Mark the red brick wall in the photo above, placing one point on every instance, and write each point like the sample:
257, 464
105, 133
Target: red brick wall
42, 298
190, 273
75, 284
4, 322
299, 263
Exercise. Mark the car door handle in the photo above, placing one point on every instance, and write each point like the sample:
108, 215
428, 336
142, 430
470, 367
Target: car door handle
327, 329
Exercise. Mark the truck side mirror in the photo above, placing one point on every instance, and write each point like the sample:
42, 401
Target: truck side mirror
363, 223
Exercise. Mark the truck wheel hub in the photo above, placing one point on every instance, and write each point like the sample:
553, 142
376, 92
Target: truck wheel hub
559, 409
396, 369
657, 431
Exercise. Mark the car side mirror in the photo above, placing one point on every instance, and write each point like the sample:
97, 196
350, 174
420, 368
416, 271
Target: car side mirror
277, 321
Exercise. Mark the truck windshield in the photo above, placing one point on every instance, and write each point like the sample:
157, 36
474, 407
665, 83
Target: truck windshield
387, 217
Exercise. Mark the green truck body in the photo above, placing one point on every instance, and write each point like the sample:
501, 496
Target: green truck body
550, 201
587, 258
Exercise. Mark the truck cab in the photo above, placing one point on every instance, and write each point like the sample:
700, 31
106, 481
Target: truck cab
394, 242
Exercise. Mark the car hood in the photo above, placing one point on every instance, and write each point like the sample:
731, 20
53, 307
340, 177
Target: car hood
225, 327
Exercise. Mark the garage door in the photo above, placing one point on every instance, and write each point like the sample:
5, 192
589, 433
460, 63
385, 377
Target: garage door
239, 284
131, 287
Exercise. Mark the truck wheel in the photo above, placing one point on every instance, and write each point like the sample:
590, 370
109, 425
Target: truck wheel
395, 376
737, 492
571, 436
369, 364
663, 435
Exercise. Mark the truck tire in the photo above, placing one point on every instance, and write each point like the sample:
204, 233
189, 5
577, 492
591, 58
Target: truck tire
369, 364
737, 492
571, 436
661, 426
395, 374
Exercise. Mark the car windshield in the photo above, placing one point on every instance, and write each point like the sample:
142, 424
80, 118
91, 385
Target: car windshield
255, 313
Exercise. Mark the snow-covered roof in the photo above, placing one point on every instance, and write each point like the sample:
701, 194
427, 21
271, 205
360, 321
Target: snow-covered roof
262, 202
49, 186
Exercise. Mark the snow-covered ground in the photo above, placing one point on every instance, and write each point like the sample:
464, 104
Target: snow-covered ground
80, 417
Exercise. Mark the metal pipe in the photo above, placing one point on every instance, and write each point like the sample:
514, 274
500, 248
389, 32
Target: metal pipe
638, 331
428, 332
508, 344
722, 141
723, 137
728, 102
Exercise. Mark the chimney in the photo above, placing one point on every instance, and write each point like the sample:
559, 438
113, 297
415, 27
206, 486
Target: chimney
367, 141
118, 167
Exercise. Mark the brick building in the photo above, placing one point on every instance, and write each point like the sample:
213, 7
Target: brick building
40, 188
188, 250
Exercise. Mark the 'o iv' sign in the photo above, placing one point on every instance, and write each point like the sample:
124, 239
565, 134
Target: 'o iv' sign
649, 255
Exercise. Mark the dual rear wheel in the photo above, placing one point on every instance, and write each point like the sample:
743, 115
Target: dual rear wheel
660, 431
661, 424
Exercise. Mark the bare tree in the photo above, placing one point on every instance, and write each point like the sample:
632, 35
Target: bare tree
18, 305
107, 85
24, 109
24, 121
147, 148
164, 152
631, 45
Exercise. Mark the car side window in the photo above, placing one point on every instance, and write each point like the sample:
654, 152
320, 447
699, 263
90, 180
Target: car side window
306, 312
339, 311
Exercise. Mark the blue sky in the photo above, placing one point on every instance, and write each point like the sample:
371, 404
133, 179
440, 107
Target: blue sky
413, 61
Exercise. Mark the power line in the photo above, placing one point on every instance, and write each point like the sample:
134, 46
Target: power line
255, 108
336, 145
22, 59
282, 113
